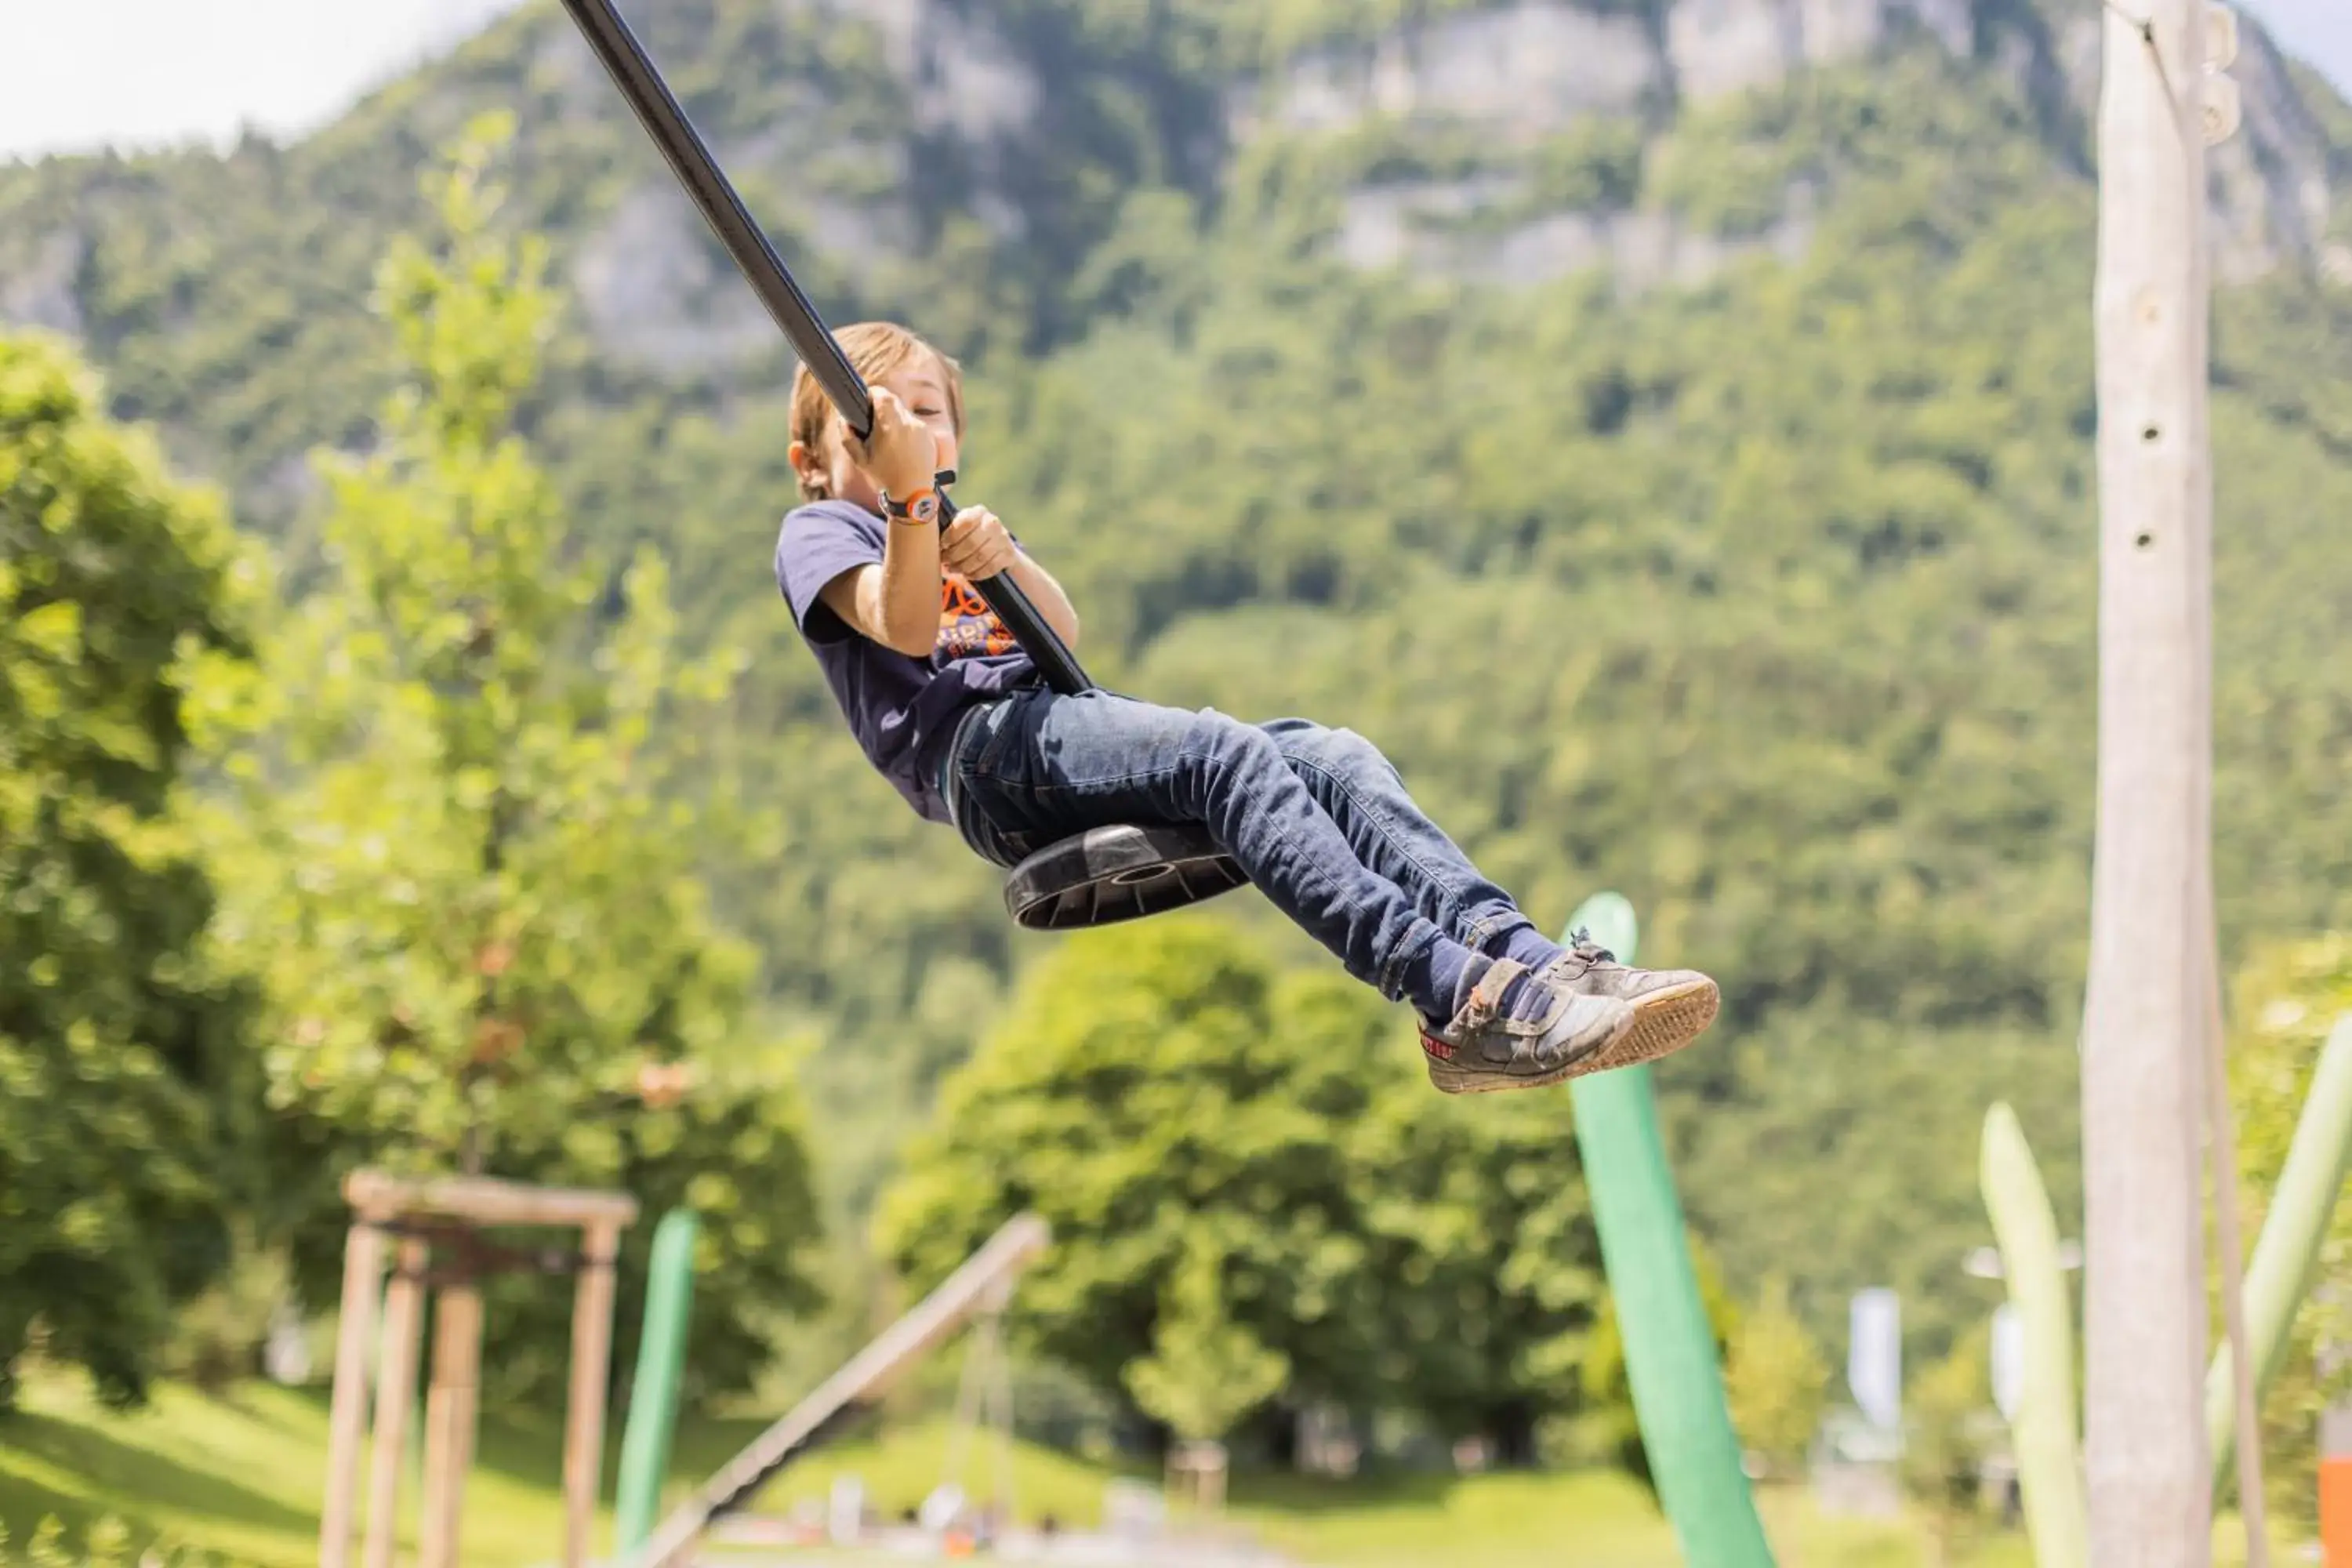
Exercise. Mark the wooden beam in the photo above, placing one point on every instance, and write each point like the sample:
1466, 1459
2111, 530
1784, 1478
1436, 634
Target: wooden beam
404, 1326
449, 1421
2149, 1492
347, 1415
483, 1200
591, 1363
1009, 1251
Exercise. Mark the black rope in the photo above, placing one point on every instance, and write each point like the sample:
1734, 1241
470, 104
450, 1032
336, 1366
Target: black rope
715, 196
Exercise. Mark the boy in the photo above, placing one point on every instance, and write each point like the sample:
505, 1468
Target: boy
951, 710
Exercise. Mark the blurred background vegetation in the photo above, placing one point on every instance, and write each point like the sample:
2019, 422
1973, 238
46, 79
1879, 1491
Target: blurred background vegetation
404, 757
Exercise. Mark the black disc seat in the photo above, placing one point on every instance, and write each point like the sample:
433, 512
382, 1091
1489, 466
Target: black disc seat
1106, 875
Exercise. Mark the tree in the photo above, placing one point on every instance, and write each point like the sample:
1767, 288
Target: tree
1140, 1095
461, 863
123, 1090
1776, 1380
1945, 1427
1489, 1309
1246, 1171
1205, 1371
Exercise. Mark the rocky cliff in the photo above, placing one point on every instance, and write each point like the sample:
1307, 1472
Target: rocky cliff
1520, 72
1507, 79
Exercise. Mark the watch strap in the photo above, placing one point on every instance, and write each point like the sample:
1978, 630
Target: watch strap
921, 506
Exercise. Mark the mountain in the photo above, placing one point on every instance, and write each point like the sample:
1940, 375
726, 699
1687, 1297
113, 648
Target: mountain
1664, 425
890, 142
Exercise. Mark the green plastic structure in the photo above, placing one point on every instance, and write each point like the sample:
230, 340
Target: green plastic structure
2049, 1467
653, 1397
2280, 1275
1670, 1355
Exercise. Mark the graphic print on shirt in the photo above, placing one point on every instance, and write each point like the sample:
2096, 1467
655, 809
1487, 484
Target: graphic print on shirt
967, 625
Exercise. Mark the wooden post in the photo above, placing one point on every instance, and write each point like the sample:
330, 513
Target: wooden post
449, 1420
347, 1417
378, 1199
404, 1324
592, 1359
2145, 1009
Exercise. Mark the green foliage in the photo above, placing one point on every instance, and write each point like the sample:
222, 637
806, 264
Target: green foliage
122, 604
460, 863
1770, 597
106, 1544
1945, 1427
1205, 1371
1597, 163
2289, 996
1798, 568
1730, 166
1777, 1380
1239, 1179
216, 1338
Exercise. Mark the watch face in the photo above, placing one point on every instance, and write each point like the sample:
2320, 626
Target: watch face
925, 509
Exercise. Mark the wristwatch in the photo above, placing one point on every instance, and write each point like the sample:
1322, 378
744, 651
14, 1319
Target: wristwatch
923, 506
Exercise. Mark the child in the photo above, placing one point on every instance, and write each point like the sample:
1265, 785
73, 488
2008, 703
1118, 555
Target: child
951, 710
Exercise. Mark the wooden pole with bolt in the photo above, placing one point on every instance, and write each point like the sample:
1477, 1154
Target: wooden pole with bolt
2146, 1010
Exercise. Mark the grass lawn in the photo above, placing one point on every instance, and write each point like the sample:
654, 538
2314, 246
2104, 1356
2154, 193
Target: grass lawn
240, 1476
1505, 1521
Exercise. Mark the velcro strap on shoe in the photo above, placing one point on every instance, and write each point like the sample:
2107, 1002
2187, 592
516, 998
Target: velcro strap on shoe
1487, 997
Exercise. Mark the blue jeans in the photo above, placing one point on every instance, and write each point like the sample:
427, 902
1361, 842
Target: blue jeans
1317, 818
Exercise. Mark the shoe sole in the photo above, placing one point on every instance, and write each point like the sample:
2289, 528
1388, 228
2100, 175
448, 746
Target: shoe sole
1664, 1021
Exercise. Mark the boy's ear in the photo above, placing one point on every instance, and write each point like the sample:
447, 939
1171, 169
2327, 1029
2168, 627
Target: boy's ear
816, 482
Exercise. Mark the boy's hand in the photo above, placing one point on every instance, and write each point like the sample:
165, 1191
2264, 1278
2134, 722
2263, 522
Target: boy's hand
976, 546
900, 453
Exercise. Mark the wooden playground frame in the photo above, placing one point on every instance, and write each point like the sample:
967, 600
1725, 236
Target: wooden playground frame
403, 1222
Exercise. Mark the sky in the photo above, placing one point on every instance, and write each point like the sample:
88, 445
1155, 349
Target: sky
84, 74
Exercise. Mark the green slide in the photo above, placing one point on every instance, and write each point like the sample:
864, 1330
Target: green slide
1670, 1356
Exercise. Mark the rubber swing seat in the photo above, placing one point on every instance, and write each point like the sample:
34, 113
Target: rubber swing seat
1107, 874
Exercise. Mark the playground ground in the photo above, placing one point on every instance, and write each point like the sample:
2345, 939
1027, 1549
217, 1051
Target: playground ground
238, 1475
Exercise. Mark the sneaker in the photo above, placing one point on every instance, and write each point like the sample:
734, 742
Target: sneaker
1552, 1035
1672, 1008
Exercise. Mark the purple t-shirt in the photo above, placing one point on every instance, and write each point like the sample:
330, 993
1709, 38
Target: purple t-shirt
901, 709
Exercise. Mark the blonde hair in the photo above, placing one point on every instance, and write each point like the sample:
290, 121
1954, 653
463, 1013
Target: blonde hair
874, 349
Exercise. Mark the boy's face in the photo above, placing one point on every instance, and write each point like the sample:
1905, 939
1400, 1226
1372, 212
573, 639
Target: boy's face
920, 383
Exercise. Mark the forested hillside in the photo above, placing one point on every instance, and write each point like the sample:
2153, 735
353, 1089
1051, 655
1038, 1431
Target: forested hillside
1664, 427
